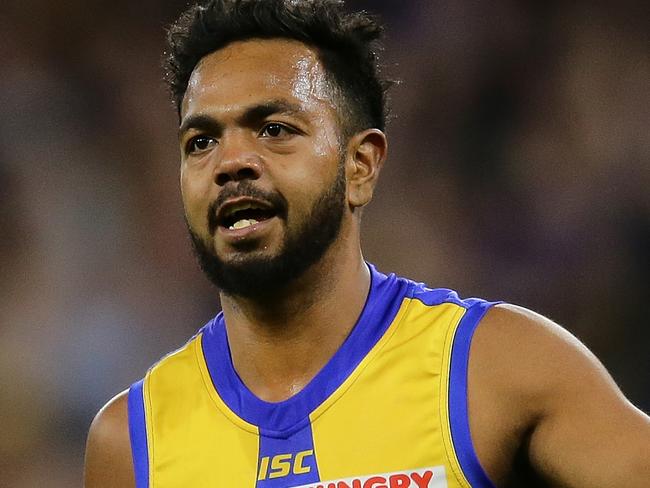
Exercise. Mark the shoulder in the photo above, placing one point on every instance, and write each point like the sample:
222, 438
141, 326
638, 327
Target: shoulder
532, 385
533, 362
531, 354
108, 450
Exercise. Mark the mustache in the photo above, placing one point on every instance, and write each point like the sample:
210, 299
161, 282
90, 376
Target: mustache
246, 188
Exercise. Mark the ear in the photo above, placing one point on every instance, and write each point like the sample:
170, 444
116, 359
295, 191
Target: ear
366, 154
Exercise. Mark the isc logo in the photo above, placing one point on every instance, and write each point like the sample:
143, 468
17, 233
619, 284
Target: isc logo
282, 465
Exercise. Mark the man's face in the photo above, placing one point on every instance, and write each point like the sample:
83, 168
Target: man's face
262, 175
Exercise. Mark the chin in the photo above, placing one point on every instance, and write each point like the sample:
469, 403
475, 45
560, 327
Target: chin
256, 276
246, 259
245, 252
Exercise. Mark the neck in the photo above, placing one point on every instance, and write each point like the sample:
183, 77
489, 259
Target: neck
278, 347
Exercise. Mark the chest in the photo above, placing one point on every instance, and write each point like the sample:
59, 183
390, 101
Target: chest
384, 422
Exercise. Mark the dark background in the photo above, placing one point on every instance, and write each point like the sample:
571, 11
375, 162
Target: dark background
519, 170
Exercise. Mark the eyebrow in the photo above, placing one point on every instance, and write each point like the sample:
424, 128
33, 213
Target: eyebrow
252, 115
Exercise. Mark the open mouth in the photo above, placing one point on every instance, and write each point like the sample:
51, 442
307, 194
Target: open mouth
239, 215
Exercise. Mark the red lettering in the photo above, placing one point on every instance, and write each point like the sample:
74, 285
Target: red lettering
375, 482
343, 484
422, 480
399, 481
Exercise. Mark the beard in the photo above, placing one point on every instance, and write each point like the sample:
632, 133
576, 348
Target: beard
265, 277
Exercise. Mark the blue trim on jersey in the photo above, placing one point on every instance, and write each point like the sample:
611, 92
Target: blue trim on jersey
458, 415
301, 441
138, 435
432, 297
281, 419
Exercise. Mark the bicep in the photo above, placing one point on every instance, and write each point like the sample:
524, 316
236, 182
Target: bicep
108, 460
588, 434
584, 432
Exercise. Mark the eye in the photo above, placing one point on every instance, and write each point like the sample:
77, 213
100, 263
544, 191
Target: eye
199, 144
274, 130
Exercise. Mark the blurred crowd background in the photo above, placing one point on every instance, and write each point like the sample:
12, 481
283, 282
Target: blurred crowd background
519, 170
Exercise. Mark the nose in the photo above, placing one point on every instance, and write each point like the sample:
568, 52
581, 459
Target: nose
238, 161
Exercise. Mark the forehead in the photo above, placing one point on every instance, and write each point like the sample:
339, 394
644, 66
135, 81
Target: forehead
247, 72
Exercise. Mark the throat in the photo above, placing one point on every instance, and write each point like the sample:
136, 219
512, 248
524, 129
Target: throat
278, 348
283, 391
277, 372
277, 359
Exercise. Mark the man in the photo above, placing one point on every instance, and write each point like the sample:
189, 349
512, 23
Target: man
321, 371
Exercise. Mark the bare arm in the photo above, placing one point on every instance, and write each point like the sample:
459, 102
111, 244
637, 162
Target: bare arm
531, 381
108, 449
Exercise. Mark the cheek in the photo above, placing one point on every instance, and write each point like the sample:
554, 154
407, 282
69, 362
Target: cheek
305, 185
194, 193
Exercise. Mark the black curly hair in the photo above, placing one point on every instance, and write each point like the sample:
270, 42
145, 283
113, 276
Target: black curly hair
347, 45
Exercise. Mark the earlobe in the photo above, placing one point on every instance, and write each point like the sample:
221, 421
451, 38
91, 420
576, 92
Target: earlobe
367, 153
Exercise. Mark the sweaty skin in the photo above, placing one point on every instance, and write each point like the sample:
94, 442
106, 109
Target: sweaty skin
540, 404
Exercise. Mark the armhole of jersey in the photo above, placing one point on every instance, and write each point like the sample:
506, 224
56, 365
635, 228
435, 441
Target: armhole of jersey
138, 434
458, 415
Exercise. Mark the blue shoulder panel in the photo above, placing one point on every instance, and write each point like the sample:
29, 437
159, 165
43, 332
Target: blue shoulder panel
458, 416
138, 435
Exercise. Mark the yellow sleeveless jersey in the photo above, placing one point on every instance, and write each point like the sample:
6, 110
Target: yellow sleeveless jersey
389, 410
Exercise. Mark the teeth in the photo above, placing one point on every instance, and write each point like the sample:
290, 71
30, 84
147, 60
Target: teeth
241, 206
241, 224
